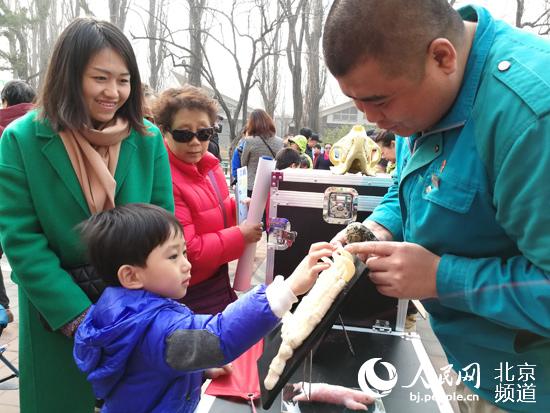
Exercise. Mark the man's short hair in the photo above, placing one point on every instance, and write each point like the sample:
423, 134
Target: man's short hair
126, 235
395, 33
16, 92
306, 132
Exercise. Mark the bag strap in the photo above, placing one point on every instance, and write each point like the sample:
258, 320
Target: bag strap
268, 147
218, 193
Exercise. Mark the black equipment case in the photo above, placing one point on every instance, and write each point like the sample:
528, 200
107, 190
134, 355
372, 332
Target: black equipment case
307, 206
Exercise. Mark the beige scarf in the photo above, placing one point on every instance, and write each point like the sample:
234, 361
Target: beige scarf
94, 156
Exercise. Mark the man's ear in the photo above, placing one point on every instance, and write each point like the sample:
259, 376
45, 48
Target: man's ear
444, 54
128, 276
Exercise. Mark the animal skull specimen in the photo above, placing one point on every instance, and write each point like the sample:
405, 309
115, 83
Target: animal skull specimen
298, 326
355, 152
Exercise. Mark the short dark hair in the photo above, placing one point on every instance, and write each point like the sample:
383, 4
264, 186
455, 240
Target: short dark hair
308, 133
304, 161
126, 235
395, 33
187, 97
16, 92
260, 124
317, 145
61, 98
286, 157
385, 138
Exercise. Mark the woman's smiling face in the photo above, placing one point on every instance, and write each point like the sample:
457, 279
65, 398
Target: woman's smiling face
105, 86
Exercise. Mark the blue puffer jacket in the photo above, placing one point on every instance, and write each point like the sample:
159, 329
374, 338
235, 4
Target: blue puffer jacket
122, 347
474, 190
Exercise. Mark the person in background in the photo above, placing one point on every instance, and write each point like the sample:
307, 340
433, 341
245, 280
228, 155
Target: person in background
316, 154
313, 140
149, 97
286, 138
465, 227
308, 133
214, 142
323, 161
206, 211
143, 351
17, 99
299, 142
57, 167
304, 162
287, 158
261, 141
386, 141
236, 158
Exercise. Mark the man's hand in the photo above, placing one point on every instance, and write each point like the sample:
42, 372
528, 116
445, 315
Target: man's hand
399, 269
378, 230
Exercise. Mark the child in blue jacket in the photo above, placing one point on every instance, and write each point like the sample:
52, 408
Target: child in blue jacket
142, 350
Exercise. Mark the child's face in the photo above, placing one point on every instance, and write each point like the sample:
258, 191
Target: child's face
167, 271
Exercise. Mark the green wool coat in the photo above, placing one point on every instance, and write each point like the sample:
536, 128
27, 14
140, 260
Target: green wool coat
41, 201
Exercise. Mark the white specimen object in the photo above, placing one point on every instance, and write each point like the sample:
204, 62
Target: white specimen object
297, 326
328, 393
355, 152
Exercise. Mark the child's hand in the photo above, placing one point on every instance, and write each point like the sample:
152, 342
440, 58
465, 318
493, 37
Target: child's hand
216, 372
305, 274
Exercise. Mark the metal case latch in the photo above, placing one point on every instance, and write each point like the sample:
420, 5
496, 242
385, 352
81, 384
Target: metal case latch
280, 235
382, 326
340, 205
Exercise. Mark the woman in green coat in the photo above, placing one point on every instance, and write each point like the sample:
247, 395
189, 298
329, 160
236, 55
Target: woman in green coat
85, 149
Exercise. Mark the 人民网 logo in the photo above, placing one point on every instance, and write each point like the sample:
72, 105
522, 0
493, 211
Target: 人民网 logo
371, 383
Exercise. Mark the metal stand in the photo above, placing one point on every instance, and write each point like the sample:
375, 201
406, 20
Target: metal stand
7, 363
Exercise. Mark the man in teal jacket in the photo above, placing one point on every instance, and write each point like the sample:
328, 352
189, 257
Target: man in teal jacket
471, 196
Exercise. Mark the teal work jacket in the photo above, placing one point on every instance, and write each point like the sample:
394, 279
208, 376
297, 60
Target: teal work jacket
474, 190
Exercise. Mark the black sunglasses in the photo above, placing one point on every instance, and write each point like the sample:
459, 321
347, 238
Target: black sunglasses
186, 136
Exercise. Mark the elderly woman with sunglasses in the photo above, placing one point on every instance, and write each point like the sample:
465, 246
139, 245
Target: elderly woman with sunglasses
186, 116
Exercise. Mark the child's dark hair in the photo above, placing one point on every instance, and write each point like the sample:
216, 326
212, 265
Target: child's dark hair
286, 157
126, 235
304, 162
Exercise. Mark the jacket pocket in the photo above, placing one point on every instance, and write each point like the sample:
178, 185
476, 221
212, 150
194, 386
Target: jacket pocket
449, 192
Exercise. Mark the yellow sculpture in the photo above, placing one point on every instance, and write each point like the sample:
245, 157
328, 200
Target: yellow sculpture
355, 152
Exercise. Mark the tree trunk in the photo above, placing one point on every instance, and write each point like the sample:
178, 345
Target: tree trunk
157, 48
268, 73
118, 10
315, 86
43, 14
519, 12
294, 55
196, 10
